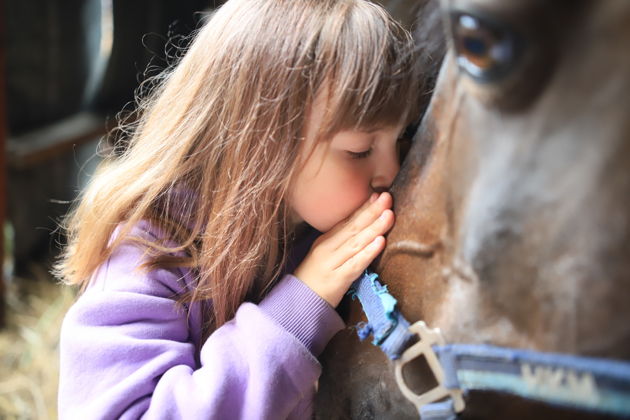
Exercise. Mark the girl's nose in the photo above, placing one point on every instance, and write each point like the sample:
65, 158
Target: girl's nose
386, 171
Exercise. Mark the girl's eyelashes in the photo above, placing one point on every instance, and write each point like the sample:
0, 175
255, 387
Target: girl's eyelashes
360, 155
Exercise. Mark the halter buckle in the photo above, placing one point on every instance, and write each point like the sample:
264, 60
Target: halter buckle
428, 338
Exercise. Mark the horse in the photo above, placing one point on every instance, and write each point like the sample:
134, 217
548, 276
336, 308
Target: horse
512, 205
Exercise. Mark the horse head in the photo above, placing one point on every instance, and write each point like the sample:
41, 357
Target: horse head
512, 224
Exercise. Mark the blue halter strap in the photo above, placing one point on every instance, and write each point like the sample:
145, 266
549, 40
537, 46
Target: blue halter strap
584, 383
390, 330
580, 382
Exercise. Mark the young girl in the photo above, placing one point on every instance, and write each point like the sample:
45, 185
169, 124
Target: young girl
205, 293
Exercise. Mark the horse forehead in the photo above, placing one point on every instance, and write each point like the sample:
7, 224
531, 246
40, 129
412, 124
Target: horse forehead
567, 140
571, 133
532, 214
537, 171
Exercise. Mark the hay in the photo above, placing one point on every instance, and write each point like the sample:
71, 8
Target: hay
29, 362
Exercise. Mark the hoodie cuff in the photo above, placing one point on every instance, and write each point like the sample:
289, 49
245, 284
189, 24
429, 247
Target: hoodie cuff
303, 313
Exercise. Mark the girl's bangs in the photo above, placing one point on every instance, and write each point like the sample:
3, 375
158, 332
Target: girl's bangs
371, 82
389, 103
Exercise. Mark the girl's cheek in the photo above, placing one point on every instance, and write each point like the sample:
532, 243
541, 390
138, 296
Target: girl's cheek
355, 192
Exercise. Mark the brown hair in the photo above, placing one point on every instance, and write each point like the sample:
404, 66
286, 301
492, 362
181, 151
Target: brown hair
224, 126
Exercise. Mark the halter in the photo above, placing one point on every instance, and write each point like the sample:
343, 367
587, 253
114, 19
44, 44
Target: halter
586, 383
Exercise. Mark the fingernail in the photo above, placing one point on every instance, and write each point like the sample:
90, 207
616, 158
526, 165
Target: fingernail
374, 243
382, 216
373, 197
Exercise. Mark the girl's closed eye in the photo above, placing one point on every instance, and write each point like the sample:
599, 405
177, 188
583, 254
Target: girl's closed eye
360, 155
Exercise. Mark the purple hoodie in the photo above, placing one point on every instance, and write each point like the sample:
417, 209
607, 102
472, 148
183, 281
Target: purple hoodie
128, 351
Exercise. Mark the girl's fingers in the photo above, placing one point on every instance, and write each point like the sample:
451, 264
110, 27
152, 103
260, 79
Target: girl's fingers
341, 226
360, 219
353, 267
358, 242
365, 216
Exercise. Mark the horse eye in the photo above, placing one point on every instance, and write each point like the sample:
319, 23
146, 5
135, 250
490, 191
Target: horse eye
485, 51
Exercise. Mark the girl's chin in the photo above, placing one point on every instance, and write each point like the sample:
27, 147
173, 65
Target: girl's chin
320, 225
325, 226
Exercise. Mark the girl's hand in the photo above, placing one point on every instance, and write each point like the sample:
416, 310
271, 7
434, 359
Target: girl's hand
339, 256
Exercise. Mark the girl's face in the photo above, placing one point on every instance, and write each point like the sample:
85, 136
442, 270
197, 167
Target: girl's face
341, 174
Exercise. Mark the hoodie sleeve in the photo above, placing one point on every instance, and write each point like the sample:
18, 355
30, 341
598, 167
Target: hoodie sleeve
129, 351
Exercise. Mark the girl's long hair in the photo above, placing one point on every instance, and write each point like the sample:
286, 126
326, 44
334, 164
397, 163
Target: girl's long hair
213, 153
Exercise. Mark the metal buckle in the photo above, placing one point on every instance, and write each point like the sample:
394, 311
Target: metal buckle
428, 338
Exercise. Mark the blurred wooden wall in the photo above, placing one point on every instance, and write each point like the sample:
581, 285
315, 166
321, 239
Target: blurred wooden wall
56, 102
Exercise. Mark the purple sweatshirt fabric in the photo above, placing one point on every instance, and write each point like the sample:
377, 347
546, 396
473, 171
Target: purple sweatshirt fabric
128, 351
